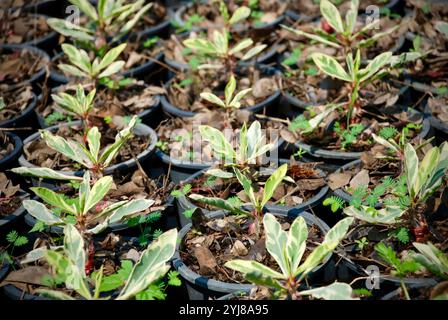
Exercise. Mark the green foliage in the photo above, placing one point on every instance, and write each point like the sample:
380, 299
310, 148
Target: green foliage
400, 268
150, 42
293, 58
432, 258
78, 105
362, 243
181, 192
388, 132
111, 18
287, 249
336, 203
350, 135
15, 239
401, 234
231, 101
55, 117
69, 265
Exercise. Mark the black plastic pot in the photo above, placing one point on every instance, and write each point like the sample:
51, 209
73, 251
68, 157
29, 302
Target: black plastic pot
48, 7
435, 122
124, 167
47, 43
414, 284
36, 78
183, 203
15, 217
27, 119
177, 17
201, 288
10, 160
334, 159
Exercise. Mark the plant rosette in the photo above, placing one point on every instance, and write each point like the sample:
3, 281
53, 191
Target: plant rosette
124, 188
117, 269
132, 97
11, 197
183, 90
38, 154
207, 15
22, 65
140, 57
303, 188
200, 257
181, 58
180, 140
26, 28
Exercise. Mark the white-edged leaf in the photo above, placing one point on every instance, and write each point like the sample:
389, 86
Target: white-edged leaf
41, 213
335, 291
331, 15
330, 66
250, 266
44, 173
276, 240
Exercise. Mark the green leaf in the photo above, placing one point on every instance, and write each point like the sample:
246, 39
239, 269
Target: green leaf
230, 89
351, 16
219, 173
253, 52
116, 280
296, 244
330, 66
335, 291
235, 103
201, 46
152, 265
247, 186
77, 57
44, 173
74, 247
132, 22
387, 215
113, 68
210, 97
273, 182
72, 71
40, 212
240, 14
426, 168
276, 240
240, 46
442, 27
94, 139
110, 57
218, 203
173, 279
69, 29
54, 199
375, 65
70, 149
221, 41
250, 266
97, 193
86, 7
312, 37
331, 15
132, 207
218, 143
411, 167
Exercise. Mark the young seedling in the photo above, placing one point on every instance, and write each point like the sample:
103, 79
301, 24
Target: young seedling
83, 66
69, 262
258, 201
251, 146
341, 34
78, 105
111, 19
231, 101
88, 211
287, 249
218, 49
355, 76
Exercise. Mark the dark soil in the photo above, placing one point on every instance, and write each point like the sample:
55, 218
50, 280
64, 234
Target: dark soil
19, 66
16, 100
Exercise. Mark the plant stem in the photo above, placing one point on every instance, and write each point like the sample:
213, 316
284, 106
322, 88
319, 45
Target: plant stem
405, 291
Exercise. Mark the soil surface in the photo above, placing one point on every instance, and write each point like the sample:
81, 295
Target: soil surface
15, 100
20, 27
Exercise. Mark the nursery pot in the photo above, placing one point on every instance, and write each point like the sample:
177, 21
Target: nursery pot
183, 203
6, 222
334, 159
36, 79
26, 119
182, 169
415, 284
435, 122
47, 43
201, 287
125, 166
10, 160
